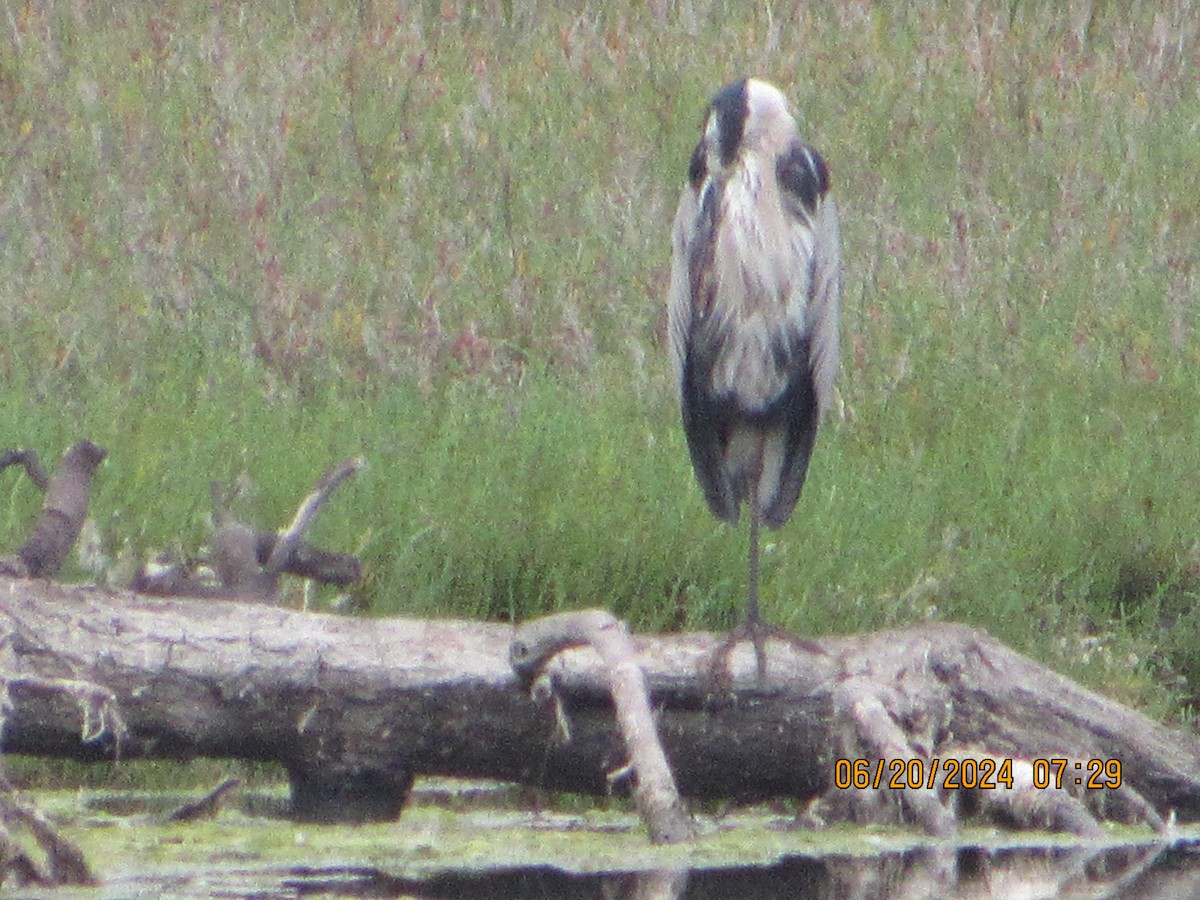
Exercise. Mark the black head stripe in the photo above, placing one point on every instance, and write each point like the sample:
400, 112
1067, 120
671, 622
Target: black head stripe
802, 174
729, 104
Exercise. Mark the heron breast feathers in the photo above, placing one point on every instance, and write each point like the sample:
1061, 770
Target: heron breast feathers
754, 362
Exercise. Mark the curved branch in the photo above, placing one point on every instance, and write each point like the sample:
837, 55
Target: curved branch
654, 788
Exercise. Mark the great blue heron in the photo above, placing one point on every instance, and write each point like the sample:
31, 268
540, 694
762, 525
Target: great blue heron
755, 285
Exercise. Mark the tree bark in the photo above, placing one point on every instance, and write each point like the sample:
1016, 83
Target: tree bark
354, 708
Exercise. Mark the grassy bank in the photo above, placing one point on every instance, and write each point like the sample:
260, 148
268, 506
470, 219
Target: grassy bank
248, 241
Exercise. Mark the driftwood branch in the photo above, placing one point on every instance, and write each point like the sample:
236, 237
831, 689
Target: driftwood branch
64, 510
289, 538
654, 789
61, 862
248, 562
28, 460
306, 561
207, 806
354, 708
177, 578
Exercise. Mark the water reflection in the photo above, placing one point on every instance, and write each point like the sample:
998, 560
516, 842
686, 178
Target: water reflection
1147, 872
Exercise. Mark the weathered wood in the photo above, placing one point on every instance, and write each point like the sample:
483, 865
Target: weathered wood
289, 539
654, 790
236, 546
248, 561
186, 579
355, 707
63, 511
207, 806
30, 462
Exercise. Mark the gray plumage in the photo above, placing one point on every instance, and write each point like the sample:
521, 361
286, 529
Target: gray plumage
753, 311
755, 283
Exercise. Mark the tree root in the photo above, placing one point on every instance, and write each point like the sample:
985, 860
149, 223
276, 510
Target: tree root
899, 732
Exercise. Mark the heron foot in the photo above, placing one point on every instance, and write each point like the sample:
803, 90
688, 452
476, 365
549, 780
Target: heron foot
755, 630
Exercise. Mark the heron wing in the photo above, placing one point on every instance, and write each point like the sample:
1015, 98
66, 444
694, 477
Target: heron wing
804, 186
679, 298
804, 189
706, 419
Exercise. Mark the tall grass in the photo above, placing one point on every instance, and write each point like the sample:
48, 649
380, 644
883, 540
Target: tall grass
243, 240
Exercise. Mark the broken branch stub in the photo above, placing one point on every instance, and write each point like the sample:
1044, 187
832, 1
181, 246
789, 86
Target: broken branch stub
64, 511
62, 862
289, 538
28, 460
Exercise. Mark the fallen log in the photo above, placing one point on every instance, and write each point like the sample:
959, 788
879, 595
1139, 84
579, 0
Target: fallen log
354, 708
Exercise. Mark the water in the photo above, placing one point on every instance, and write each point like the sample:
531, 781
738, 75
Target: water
464, 841
1143, 872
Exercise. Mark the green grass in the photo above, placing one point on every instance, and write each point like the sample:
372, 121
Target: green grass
247, 241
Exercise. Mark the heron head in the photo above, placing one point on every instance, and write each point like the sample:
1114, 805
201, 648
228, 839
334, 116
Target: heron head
747, 114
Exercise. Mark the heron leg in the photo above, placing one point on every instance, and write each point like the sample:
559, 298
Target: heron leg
752, 627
